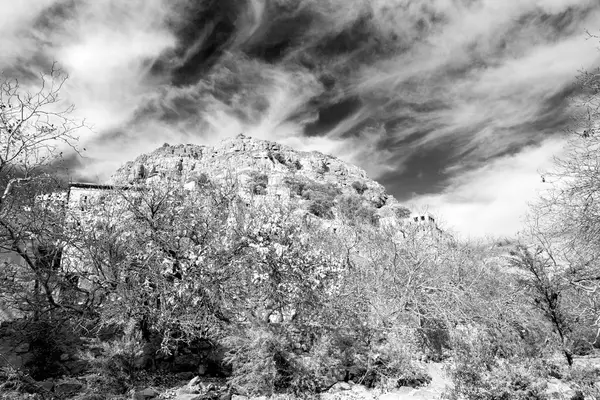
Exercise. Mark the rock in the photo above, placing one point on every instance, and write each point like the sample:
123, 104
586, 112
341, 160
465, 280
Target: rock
145, 394
557, 389
186, 362
185, 396
194, 381
22, 348
76, 367
241, 156
185, 375
340, 386
47, 385
64, 357
91, 396
66, 388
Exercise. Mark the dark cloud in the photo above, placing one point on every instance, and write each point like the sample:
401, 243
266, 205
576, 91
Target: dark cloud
203, 30
422, 173
56, 15
330, 115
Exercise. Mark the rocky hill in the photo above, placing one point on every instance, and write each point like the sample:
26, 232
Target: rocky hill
321, 183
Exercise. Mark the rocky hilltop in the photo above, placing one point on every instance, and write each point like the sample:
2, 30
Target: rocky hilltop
268, 169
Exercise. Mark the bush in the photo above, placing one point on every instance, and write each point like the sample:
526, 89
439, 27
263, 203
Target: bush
314, 190
202, 179
435, 337
321, 208
296, 185
324, 168
584, 380
354, 209
360, 187
258, 183
48, 341
261, 361
278, 157
119, 367
402, 212
504, 380
480, 373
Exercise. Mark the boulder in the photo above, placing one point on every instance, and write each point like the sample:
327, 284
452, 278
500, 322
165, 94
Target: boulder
557, 389
146, 394
67, 388
22, 348
47, 385
340, 386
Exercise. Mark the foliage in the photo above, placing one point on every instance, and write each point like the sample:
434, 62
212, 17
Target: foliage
161, 250
118, 368
261, 361
202, 179
564, 225
47, 342
35, 127
548, 291
478, 372
278, 157
321, 208
354, 210
502, 381
321, 197
402, 212
584, 379
258, 183
360, 187
296, 184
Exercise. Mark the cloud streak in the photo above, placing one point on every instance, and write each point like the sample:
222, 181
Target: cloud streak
422, 94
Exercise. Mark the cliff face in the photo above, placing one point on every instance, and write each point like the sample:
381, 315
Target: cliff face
262, 168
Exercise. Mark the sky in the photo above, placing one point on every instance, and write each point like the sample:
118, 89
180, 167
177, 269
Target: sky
453, 105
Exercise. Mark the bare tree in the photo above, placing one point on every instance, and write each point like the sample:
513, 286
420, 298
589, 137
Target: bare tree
563, 226
35, 126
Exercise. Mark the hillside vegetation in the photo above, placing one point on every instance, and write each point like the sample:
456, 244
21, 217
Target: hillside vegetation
280, 272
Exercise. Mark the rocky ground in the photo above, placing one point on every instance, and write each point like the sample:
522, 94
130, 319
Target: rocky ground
200, 388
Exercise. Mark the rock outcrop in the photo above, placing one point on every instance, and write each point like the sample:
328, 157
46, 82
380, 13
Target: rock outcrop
278, 171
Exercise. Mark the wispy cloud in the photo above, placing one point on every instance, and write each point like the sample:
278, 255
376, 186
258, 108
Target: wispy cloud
435, 98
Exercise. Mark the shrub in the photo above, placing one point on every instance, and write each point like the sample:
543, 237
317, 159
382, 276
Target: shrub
583, 379
354, 209
360, 187
119, 366
279, 157
47, 343
321, 208
314, 190
479, 373
324, 168
402, 212
435, 337
261, 361
503, 380
296, 185
202, 179
258, 183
